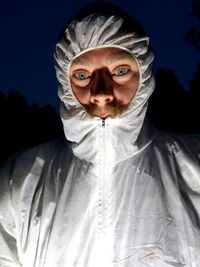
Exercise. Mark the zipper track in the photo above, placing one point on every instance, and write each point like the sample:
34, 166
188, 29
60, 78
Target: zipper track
101, 183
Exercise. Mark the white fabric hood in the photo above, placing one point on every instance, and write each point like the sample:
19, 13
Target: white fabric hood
87, 31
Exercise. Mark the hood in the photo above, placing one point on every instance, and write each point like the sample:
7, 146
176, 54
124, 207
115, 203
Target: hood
101, 25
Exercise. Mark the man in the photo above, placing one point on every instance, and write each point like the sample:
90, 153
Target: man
118, 192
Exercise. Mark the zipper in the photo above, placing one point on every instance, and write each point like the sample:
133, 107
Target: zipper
104, 148
103, 122
101, 182
105, 243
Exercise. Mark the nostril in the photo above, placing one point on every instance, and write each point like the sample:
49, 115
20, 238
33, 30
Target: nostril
109, 99
101, 99
94, 100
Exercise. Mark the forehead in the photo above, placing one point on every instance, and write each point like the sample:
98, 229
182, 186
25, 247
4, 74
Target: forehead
109, 55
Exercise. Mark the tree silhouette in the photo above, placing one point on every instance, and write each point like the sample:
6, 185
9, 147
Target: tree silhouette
167, 104
172, 108
25, 125
195, 98
195, 83
192, 36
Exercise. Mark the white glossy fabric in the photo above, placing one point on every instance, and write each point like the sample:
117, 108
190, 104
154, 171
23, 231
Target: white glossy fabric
119, 195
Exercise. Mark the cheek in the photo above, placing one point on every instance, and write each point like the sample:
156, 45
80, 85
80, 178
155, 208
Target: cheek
81, 93
125, 92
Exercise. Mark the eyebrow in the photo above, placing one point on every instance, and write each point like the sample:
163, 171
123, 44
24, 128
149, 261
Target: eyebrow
111, 59
82, 61
117, 57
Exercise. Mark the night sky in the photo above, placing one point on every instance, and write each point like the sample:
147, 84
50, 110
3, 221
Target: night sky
29, 30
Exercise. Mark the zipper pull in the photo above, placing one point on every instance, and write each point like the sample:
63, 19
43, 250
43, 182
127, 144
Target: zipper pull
103, 122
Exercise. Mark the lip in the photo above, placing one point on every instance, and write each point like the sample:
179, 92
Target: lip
103, 114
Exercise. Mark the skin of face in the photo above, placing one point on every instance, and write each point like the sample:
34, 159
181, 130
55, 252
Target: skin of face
104, 81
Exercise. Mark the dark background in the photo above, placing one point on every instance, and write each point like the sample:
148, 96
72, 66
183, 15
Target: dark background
29, 105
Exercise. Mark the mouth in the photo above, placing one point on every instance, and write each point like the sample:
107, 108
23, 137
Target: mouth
105, 112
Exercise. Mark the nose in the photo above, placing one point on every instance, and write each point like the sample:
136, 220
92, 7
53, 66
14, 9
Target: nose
101, 99
101, 88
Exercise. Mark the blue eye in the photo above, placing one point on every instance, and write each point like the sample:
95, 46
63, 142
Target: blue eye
121, 71
81, 75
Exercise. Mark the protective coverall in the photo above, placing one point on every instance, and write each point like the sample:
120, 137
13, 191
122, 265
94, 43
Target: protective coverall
115, 194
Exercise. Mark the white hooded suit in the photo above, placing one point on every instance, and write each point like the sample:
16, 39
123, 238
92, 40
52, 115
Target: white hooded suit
121, 194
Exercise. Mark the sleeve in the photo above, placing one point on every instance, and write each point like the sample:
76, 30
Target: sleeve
8, 242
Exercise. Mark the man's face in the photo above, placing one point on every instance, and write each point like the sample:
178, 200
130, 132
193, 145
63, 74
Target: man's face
104, 81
